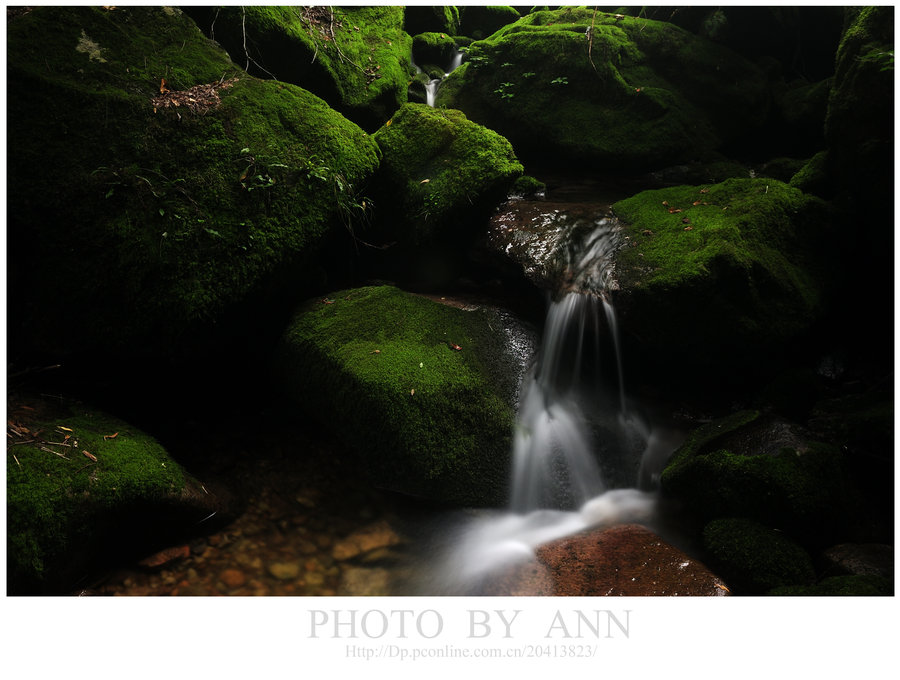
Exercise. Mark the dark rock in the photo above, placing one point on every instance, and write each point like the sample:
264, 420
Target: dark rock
480, 21
755, 558
627, 560
867, 559
761, 467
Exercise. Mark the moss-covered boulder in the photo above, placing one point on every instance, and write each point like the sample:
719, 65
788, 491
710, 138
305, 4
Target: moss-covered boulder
722, 276
578, 86
84, 488
765, 469
355, 58
431, 19
152, 186
753, 558
480, 21
840, 586
440, 172
437, 49
422, 392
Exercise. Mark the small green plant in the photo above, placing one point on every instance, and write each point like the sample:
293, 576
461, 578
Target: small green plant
257, 174
529, 74
503, 91
562, 80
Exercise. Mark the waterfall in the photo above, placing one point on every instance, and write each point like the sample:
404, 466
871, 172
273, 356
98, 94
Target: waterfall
431, 87
582, 457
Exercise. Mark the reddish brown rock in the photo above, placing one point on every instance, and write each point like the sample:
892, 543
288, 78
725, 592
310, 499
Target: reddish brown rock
233, 578
625, 560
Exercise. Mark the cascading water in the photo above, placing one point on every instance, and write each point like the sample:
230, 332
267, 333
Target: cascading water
431, 87
581, 457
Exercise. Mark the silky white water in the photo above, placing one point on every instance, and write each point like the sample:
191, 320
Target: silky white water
582, 458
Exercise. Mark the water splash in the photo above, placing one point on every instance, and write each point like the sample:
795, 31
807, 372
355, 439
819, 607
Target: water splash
582, 457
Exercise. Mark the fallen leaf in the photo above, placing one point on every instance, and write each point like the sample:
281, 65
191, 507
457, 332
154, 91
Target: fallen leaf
425, 181
90, 455
696, 203
388, 124
67, 429
666, 203
646, 232
376, 351
412, 392
162, 86
688, 228
704, 191
685, 220
454, 346
674, 210
111, 436
326, 301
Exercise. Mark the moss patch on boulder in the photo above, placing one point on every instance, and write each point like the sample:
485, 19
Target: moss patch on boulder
431, 19
732, 271
580, 86
87, 480
763, 469
423, 392
439, 170
134, 220
754, 559
355, 58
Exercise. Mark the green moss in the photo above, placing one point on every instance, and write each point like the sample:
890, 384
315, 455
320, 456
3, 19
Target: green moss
730, 267
812, 178
438, 166
480, 21
585, 86
134, 224
803, 491
527, 185
59, 509
840, 586
381, 367
753, 558
431, 19
434, 48
356, 58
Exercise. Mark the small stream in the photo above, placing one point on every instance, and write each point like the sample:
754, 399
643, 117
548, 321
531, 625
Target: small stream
586, 454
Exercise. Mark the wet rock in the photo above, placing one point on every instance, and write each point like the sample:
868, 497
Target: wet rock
233, 578
369, 538
530, 578
284, 571
625, 560
865, 559
360, 582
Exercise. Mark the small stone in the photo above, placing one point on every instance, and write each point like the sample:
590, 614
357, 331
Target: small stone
374, 536
315, 579
233, 578
284, 571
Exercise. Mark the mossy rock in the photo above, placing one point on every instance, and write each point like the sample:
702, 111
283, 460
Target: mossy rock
440, 172
480, 21
355, 58
111, 492
764, 469
431, 19
721, 277
576, 86
753, 558
813, 177
423, 393
840, 586
434, 48
134, 223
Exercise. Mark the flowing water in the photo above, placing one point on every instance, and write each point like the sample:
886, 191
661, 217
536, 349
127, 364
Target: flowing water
584, 456
431, 87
